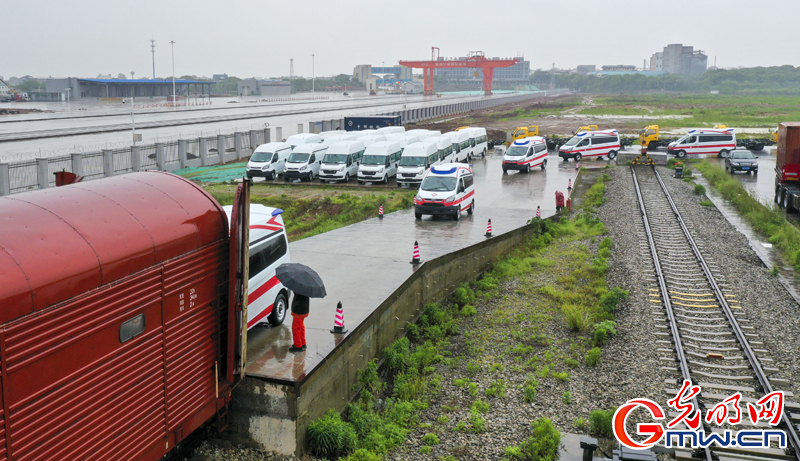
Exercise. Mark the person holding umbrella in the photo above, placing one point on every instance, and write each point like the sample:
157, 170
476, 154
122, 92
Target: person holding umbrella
305, 283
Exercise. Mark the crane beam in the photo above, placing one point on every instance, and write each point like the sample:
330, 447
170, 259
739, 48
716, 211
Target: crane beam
487, 65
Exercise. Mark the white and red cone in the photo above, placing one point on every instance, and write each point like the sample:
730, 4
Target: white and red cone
569, 185
415, 258
489, 229
380, 212
577, 165
338, 323
538, 212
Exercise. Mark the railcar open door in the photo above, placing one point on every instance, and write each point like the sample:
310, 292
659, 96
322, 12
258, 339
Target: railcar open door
237, 280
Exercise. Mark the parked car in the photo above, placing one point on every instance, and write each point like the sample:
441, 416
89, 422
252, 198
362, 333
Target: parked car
741, 160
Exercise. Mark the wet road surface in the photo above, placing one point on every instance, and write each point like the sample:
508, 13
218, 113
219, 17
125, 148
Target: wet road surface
363, 263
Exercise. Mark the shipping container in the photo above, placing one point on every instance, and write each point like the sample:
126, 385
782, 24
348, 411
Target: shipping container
371, 122
115, 325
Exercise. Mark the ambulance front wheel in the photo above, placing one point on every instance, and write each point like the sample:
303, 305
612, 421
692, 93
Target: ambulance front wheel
681, 153
418, 215
723, 153
278, 310
471, 208
578, 157
528, 168
505, 171
612, 155
544, 164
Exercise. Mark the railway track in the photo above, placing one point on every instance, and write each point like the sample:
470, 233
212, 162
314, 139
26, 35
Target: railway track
704, 328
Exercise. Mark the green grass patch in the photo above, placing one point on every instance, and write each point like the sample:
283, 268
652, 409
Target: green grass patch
767, 219
313, 210
544, 443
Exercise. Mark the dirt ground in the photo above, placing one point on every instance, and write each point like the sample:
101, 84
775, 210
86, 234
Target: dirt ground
16, 111
562, 118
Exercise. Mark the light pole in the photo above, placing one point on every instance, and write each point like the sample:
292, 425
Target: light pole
312, 73
172, 43
68, 89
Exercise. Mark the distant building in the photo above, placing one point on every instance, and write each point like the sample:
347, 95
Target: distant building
123, 88
413, 87
657, 62
258, 87
362, 72
383, 75
679, 59
585, 69
519, 72
219, 77
619, 68
5, 91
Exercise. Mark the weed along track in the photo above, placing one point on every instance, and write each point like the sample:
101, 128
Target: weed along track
705, 327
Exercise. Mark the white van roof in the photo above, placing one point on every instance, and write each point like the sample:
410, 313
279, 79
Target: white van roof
373, 138
267, 219
476, 131
442, 141
592, 134
711, 131
448, 169
309, 148
382, 148
303, 138
327, 134
458, 136
530, 140
391, 129
272, 147
339, 138
345, 147
420, 149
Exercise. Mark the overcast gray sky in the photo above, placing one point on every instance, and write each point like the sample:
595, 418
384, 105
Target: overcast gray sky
257, 38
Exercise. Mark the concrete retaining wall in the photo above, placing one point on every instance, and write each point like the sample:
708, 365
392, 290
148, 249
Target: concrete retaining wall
275, 415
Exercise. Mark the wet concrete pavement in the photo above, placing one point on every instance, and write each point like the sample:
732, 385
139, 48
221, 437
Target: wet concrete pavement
363, 263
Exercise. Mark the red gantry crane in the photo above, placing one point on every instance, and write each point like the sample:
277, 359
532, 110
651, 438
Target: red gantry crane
476, 60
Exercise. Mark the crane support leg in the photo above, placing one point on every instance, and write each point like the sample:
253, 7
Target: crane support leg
428, 74
488, 74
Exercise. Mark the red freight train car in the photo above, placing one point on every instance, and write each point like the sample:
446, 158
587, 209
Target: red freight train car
114, 335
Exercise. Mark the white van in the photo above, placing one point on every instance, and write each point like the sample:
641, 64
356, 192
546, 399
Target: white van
304, 162
415, 160
267, 298
424, 134
330, 140
403, 139
391, 130
380, 162
526, 153
447, 189
591, 144
461, 145
445, 146
705, 141
478, 140
268, 160
371, 139
341, 161
328, 134
303, 138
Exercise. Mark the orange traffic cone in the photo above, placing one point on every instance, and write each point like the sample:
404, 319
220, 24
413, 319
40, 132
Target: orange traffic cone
489, 229
380, 212
415, 258
338, 323
538, 212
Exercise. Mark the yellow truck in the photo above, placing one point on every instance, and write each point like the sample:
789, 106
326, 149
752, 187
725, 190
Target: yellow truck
586, 128
523, 132
650, 138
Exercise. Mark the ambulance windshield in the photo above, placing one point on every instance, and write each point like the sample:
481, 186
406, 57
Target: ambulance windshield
439, 183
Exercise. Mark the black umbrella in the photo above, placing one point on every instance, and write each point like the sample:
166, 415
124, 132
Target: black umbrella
301, 279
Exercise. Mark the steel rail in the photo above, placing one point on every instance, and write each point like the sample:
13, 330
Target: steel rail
673, 323
766, 387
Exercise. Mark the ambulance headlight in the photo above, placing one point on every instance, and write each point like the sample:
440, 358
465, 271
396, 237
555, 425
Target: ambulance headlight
450, 199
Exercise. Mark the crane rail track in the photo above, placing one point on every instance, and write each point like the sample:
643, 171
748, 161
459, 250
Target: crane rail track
710, 345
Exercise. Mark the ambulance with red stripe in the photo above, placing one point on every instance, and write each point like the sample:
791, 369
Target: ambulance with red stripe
267, 298
591, 144
446, 190
704, 141
526, 153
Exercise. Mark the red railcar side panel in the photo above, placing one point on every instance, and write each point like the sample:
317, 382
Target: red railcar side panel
18, 300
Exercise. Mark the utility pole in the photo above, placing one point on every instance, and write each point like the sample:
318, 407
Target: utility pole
553, 77
312, 73
172, 42
153, 50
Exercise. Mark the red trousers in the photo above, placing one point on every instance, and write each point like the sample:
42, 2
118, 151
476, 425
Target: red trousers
299, 329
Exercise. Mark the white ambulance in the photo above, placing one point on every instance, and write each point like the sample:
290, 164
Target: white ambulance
704, 141
267, 298
526, 153
447, 190
591, 144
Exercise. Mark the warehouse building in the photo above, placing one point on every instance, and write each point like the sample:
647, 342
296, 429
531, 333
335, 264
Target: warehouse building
79, 88
257, 87
679, 59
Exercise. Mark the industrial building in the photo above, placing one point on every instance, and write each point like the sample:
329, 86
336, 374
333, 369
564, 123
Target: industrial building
257, 87
679, 59
382, 75
519, 72
586, 68
79, 88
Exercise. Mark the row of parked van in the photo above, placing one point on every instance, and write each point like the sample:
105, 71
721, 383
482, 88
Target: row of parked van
369, 155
